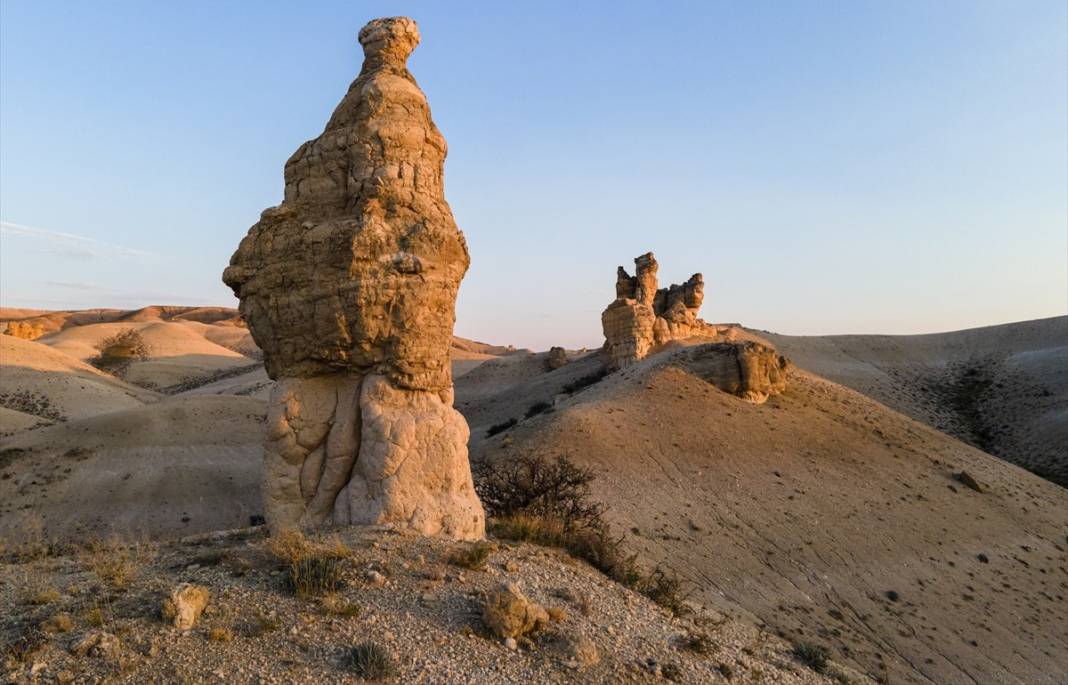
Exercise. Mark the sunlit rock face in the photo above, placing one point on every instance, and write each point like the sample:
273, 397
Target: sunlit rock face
642, 316
349, 287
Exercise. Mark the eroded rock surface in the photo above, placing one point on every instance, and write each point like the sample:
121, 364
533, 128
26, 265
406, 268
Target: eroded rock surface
745, 368
349, 287
642, 316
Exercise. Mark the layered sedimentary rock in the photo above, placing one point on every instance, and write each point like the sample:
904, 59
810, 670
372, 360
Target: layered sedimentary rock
746, 368
349, 287
642, 316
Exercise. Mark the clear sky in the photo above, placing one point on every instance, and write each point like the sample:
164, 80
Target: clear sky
848, 167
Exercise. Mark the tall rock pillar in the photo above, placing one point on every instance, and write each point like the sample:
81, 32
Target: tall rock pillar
349, 287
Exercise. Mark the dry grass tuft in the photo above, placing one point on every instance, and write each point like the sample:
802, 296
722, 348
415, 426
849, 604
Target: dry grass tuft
221, 634
59, 623
313, 568
114, 561
371, 661
473, 556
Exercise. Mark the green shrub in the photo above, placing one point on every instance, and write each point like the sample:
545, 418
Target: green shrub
812, 655
537, 408
500, 427
315, 575
585, 381
371, 661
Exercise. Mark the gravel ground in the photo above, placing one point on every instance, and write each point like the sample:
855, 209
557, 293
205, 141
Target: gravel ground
398, 590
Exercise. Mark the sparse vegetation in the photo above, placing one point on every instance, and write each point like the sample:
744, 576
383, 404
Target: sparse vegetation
699, 643
113, 561
338, 606
585, 381
537, 408
117, 351
500, 427
371, 661
548, 502
812, 655
472, 556
59, 623
221, 634
313, 569
32, 403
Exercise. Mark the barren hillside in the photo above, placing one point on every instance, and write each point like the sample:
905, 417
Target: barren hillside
822, 513
1002, 388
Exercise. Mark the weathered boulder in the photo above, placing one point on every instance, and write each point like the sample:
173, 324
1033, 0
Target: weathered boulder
745, 368
349, 288
556, 359
509, 614
185, 605
643, 316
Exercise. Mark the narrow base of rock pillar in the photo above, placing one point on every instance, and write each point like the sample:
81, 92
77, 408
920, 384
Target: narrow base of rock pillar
351, 449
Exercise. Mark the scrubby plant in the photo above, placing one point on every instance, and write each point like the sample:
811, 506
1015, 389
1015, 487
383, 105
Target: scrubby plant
812, 655
664, 588
699, 643
537, 408
313, 569
473, 556
500, 427
371, 661
339, 606
315, 575
549, 502
115, 562
585, 381
118, 350
221, 634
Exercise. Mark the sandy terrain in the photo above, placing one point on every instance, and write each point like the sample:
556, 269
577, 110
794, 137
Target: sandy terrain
175, 467
822, 514
1003, 388
38, 380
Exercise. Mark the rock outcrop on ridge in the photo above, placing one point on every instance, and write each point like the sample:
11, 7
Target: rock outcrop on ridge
642, 316
349, 287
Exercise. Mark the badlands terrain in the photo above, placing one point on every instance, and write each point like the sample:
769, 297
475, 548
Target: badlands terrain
836, 512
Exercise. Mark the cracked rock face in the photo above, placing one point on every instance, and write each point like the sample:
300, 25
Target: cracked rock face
349, 287
747, 369
643, 317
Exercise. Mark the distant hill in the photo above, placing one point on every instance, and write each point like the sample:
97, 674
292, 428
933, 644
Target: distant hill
1002, 388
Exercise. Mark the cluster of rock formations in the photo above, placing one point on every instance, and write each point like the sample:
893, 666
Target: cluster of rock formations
644, 317
349, 287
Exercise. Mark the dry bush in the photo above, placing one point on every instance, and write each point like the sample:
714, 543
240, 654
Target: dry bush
549, 502
812, 655
536, 486
59, 623
114, 561
473, 556
117, 351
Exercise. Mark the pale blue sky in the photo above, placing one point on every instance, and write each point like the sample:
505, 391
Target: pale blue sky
842, 167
